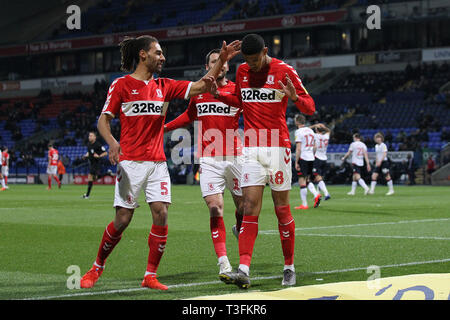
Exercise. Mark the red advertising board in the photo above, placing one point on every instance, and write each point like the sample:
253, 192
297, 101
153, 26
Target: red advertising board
83, 179
210, 29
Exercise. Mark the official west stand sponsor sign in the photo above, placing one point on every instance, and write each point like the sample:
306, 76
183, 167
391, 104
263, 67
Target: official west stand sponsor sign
83, 179
211, 29
437, 54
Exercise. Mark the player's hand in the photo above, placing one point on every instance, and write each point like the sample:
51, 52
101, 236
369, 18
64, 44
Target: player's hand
368, 167
114, 153
210, 84
297, 167
228, 52
289, 88
96, 155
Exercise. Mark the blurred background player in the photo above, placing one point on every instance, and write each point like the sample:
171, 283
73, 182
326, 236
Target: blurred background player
95, 152
5, 167
61, 170
358, 150
52, 166
304, 161
381, 165
220, 166
321, 138
263, 86
141, 101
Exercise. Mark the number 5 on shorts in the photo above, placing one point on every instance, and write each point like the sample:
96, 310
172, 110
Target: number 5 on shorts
164, 190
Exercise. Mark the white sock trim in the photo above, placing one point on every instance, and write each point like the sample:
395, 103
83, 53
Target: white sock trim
244, 268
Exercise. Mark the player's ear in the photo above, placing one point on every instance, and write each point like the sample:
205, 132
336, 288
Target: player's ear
265, 50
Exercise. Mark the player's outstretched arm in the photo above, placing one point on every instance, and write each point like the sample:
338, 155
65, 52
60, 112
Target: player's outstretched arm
227, 52
104, 127
298, 150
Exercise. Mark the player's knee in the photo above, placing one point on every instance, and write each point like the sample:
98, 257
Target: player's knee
123, 218
249, 207
215, 210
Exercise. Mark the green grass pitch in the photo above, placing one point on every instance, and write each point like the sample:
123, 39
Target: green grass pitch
43, 232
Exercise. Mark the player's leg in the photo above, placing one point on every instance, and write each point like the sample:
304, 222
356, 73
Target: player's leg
233, 174
157, 189
238, 213
2, 181
286, 228
390, 184
157, 240
212, 185
355, 176
5, 173
252, 196
55, 177
312, 188
303, 192
322, 186
373, 183
361, 182
130, 178
111, 237
89, 188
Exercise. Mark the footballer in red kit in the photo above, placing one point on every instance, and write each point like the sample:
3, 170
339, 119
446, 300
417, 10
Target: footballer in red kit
140, 102
263, 87
52, 167
220, 154
5, 169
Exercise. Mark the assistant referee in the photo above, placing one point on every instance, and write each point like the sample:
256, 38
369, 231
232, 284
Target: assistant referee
95, 151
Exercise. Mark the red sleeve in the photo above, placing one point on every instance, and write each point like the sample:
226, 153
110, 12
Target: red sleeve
113, 99
305, 102
185, 118
177, 89
232, 99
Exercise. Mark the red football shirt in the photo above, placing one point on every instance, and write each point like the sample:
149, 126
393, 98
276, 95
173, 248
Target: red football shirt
141, 107
219, 122
5, 158
53, 157
264, 103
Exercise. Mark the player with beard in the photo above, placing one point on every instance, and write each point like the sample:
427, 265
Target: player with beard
141, 101
220, 154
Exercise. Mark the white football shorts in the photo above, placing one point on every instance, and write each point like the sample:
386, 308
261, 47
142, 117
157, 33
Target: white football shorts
264, 165
133, 176
217, 173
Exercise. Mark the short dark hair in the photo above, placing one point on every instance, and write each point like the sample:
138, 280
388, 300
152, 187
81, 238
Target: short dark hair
50, 145
210, 53
130, 48
357, 135
252, 43
300, 118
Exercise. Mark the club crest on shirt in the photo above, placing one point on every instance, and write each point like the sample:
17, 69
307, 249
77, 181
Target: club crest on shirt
270, 79
159, 93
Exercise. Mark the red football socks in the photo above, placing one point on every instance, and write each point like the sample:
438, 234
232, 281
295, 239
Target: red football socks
286, 227
247, 237
109, 240
218, 235
157, 243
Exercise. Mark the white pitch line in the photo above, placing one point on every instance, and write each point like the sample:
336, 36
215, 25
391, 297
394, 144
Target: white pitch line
358, 225
96, 293
369, 236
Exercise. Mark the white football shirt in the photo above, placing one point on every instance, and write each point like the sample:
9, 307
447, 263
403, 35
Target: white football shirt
321, 145
358, 148
305, 136
379, 150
